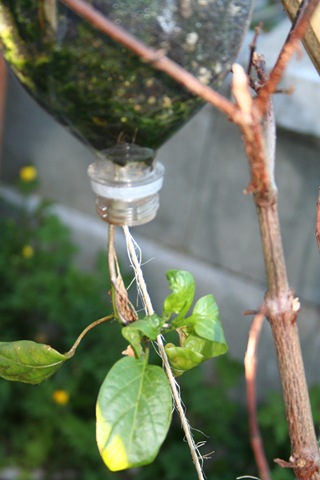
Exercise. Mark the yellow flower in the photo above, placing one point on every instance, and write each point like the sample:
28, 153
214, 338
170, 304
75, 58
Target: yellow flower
61, 397
28, 173
27, 251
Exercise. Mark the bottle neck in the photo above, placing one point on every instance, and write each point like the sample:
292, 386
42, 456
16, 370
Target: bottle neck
127, 181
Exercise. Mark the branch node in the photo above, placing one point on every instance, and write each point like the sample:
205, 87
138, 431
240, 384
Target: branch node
240, 90
155, 57
305, 463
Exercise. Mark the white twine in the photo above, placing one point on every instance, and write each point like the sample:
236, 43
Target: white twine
132, 249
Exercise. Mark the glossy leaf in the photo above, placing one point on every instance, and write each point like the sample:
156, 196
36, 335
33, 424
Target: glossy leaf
148, 327
182, 359
206, 319
133, 414
207, 348
192, 351
29, 362
183, 287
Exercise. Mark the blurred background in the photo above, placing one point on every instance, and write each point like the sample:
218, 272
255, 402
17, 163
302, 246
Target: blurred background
54, 277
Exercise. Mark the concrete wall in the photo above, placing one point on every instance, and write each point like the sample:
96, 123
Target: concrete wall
205, 224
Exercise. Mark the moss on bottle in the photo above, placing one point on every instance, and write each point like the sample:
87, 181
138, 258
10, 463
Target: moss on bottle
103, 92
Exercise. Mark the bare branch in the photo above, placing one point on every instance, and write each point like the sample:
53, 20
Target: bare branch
297, 32
250, 363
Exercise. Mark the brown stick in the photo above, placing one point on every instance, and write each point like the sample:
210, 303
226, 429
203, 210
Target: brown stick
250, 363
297, 32
311, 39
281, 306
304, 457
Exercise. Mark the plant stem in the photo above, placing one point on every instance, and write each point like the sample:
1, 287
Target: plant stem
174, 388
278, 286
85, 331
282, 310
300, 26
304, 457
280, 306
311, 40
250, 363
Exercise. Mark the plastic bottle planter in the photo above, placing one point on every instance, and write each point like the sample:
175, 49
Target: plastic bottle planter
107, 96
100, 90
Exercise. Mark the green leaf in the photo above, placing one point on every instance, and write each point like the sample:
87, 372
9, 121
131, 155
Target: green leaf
29, 362
205, 347
180, 300
193, 350
182, 359
133, 414
148, 327
206, 319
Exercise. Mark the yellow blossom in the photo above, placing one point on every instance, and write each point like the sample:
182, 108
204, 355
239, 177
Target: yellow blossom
61, 397
28, 173
27, 251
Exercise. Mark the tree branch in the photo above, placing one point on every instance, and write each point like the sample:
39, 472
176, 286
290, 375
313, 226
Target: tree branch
311, 39
250, 363
297, 32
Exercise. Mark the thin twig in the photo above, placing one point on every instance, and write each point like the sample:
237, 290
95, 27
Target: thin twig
123, 309
297, 32
253, 46
156, 58
174, 388
250, 363
85, 331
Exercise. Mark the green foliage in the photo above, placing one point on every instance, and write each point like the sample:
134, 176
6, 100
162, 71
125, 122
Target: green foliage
183, 288
45, 298
215, 407
132, 410
201, 335
135, 332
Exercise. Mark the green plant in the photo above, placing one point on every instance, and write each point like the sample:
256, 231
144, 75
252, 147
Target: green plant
45, 299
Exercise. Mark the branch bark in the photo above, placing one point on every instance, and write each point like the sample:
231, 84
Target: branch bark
281, 308
250, 363
299, 28
311, 40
